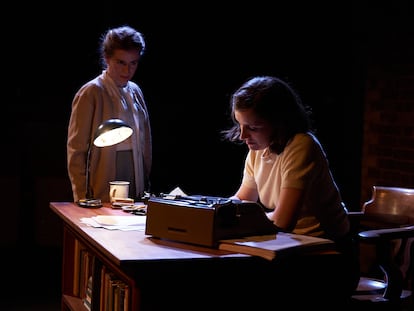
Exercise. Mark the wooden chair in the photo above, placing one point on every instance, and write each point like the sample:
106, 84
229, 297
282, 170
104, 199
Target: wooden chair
385, 233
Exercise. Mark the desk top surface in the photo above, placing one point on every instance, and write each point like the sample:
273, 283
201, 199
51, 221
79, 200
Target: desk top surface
129, 246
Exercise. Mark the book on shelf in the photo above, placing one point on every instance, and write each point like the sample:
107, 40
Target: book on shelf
276, 245
123, 297
102, 297
86, 270
78, 265
87, 305
114, 292
88, 294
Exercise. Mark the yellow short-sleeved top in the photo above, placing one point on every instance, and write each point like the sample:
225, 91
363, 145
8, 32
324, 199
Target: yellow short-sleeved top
302, 165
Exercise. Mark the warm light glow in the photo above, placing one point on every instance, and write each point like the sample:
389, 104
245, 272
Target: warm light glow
110, 132
112, 137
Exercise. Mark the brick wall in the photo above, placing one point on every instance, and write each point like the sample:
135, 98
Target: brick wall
388, 130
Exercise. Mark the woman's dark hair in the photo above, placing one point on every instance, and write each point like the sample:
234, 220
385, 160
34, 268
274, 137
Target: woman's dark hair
121, 38
274, 101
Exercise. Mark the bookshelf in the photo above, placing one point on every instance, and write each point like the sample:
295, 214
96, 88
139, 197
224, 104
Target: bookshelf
128, 268
90, 282
134, 272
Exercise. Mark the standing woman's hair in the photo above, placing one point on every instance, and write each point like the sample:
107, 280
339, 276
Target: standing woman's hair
274, 101
122, 38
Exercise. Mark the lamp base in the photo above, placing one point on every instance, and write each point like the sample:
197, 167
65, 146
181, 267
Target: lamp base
90, 203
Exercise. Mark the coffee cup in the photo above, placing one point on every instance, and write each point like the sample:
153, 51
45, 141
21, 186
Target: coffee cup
118, 189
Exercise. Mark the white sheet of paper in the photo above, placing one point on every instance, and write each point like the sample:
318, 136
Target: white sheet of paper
178, 191
114, 222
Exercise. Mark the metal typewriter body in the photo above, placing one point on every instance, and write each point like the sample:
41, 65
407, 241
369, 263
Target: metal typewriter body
205, 220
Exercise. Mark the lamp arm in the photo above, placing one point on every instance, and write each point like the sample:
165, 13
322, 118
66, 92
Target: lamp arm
89, 194
120, 131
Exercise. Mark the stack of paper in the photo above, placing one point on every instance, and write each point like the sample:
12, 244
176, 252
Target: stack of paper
270, 246
114, 222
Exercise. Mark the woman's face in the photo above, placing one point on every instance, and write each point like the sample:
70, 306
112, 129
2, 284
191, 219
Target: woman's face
121, 66
254, 131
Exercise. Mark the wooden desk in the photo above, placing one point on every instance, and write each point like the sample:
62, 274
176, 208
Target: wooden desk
164, 274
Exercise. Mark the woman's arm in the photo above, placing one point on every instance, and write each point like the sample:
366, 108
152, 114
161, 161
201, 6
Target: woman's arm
246, 194
287, 209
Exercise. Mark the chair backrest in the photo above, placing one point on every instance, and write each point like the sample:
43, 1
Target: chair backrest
390, 206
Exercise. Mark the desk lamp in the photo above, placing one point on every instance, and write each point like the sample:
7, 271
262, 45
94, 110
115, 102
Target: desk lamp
110, 132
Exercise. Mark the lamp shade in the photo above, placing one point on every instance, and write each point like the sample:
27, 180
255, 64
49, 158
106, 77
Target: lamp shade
111, 132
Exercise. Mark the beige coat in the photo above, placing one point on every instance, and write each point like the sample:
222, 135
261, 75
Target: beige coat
96, 101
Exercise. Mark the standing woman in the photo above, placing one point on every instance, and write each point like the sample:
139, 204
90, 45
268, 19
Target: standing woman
286, 168
110, 95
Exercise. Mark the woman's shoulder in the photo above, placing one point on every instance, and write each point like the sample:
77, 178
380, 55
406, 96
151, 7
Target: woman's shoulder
135, 88
305, 138
91, 86
309, 142
305, 141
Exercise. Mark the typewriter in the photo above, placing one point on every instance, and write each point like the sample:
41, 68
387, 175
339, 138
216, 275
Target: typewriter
205, 220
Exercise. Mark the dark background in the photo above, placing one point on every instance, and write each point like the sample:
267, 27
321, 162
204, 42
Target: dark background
197, 55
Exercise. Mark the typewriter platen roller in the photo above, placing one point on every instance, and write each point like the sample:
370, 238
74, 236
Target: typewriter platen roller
204, 220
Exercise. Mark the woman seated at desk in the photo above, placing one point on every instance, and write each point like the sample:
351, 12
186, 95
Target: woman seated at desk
286, 168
